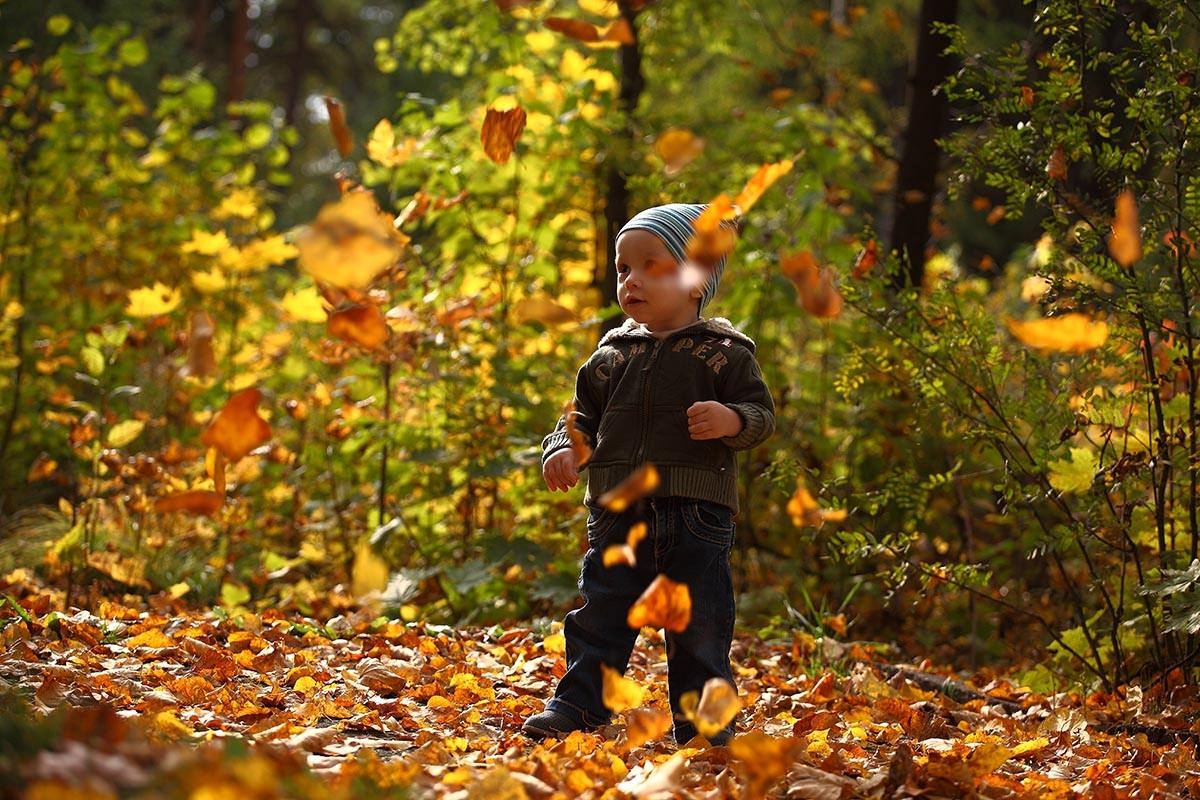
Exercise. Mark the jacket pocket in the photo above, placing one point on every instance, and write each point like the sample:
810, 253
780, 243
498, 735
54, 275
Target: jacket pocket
710, 521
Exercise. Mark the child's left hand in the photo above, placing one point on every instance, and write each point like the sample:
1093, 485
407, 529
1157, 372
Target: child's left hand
710, 419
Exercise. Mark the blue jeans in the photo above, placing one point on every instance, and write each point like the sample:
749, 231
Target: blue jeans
689, 541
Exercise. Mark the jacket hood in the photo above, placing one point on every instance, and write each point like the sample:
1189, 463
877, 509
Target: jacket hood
631, 329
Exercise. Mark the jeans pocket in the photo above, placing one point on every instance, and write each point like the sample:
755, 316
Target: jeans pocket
710, 521
600, 522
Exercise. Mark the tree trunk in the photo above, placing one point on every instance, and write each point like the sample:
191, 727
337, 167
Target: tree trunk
921, 155
298, 68
239, 48
616, 194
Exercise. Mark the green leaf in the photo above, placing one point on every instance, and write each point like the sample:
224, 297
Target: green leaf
93, 361
1075, 474
58, 24
132, 52
234, 595
257, 135
125, 432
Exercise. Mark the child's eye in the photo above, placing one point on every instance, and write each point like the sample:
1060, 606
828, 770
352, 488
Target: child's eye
622, 268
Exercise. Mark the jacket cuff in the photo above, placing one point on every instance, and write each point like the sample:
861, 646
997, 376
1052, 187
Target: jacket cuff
555, 441
754, 424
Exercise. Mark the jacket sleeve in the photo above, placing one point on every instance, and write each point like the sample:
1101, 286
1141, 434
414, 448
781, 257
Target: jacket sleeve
744, 390
587, 418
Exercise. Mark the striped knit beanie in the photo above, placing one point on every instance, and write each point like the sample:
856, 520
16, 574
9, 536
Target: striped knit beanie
673, 224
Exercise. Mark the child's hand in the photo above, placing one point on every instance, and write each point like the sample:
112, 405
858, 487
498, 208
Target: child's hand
561, 470
709, 419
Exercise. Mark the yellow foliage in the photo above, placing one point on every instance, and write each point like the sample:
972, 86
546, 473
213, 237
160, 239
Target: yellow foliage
150, 301
205, 243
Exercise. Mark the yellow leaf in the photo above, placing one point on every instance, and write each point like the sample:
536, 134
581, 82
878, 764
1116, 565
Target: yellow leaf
664, 604
677, 147
304, 305
540, 308
555, 643
211, 281
205, 243
150, 301
150, 638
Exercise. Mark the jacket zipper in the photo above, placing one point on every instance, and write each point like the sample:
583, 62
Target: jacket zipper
637, 455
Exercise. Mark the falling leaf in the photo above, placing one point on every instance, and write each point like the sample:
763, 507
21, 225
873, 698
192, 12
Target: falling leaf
641, 482
350, 242
540, 308
620, 693
763, 178
150, 301
363, 324
1125, 245
814, 285
501, 129
626, 553
370, 572
644, 725
338, 126
712, 708
761, 760
202, 363
195, 501
1072, 332
804, 510
713, 233
574, 28
664, 604
678, 147
1027, 96
237, 428
580, 445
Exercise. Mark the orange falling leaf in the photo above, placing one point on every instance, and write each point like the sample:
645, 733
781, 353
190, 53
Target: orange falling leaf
712, 708
1072, 332
1125, 245
501, 129
714, 234
579, 442
814, 286
338, 126
575, 28
363, 324
620, 693
664, 604
763, 179
620, 32
641, 482
761, 760
237, 428
202, 363
195, 501
804, 510
626, 553
645, 724
677, 147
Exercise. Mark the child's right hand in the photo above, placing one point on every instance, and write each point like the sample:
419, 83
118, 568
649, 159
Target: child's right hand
561, 470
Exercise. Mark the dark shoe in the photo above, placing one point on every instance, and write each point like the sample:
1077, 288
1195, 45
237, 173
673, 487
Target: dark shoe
550, 723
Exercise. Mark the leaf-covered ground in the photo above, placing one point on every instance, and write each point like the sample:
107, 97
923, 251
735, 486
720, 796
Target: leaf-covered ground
355, 705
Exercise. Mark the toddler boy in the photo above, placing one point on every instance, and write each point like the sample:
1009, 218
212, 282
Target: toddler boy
683, 393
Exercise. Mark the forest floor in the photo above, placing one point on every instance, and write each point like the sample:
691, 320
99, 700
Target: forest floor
164, 702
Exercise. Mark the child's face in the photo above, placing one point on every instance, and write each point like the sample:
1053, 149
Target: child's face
652, 287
